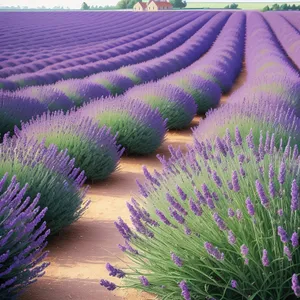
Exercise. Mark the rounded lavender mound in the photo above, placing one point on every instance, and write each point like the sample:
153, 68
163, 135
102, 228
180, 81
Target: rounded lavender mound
218, 222
255, 114
81, 91
137, 74
14, 109
206, 94
115, 83
7, 85
23, 238
139, 128
47, 171
175, 105
52, 98
95, 149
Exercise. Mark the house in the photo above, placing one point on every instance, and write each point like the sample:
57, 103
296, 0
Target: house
140, 6
153, 5
158, 5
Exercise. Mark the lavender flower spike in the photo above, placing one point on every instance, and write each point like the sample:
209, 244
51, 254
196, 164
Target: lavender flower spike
162, 217
235, 181
107, 284
220, 222
295, 239
282, 172
213, 251
234, 284
250, 207
265, 259
295, 285
283, 235
144, 281
176, 259
244, 250
295, 196
261, 193
114, 272
181, 193
184, 290
287, 252
231, 238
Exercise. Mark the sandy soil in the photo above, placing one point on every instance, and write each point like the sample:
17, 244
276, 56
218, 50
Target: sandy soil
79, 253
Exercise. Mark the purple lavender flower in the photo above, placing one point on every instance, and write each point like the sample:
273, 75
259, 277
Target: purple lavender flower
162, 217
144, 281
107, 284
206, 191
216, 179
231, 212
234, 284
282, 171
244, 250
152, 179
250, 207
220, 222
142, 189
261, 193
175, 204
295, 239
250, 140
283, 235
242, 172
295, 285
272, 190
265, 259
187, 230
181, 193
239, 214
210, 203
280, 212
213, 251
197, 210
287, 252
295, 196
231, 238
123, 228
238, 137
177, 261
114, 272
235, 181
176, 216
184, 290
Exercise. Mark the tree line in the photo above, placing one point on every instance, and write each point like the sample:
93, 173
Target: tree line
284, 6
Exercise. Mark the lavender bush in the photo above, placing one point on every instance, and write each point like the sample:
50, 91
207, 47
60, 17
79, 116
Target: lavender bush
49, 172
23, 238
140, 129
257, 113
80, 91
173, 103
14, 109
95, 149
206, 94
218, 223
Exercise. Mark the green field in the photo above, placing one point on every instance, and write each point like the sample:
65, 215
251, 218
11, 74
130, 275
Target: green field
242, 5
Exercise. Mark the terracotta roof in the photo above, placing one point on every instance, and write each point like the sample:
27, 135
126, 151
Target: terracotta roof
143, 4
162, 4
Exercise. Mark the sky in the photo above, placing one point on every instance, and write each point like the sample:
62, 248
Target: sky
77, 3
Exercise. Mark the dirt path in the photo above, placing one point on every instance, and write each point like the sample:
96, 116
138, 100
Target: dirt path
79, 254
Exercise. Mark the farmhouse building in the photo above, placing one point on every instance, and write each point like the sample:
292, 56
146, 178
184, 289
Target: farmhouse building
153, 5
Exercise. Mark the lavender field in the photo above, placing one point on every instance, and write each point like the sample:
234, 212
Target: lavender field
150, 155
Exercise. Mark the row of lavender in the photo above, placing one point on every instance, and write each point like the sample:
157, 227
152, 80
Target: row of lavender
58, 178
148, 35
220, 222
169, 43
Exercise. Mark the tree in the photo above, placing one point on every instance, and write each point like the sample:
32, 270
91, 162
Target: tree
234, 6
275, 6
266, 8
84, 6
178, 3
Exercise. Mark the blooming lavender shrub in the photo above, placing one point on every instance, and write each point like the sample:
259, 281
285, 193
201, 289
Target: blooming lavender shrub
94, 148
14, 109
23, 238
220, 222
47, 171
115, 83
140, 128
81, 91
257, 113
52, 98
206, 94
172, 102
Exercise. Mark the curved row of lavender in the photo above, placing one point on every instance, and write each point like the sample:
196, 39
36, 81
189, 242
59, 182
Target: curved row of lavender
147, 36
292, 18
220, 222
287, 35
85, 29
164, 47
25, 56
